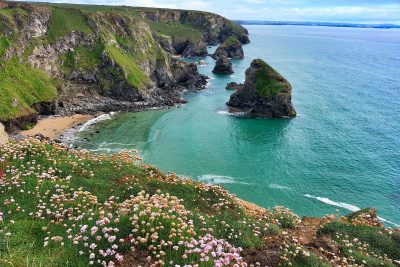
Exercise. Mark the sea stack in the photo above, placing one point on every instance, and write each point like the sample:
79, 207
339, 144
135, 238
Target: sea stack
223, 66
265, 93
231, 48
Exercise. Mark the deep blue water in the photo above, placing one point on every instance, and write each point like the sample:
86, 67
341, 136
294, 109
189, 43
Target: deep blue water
342, 151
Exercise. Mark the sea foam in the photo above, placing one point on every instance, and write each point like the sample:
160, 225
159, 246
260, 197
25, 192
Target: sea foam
98, 119
346, 206
218, 179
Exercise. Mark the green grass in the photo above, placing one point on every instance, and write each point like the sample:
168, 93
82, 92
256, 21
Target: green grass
178, 32
111, 179
268, 81
231, 41
84, 58
134, 75
65, 20
4, 44
378, 240
23, 86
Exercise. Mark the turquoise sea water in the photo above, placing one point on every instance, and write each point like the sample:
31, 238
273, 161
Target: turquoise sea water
342, 151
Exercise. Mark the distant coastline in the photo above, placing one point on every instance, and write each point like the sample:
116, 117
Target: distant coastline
324, 24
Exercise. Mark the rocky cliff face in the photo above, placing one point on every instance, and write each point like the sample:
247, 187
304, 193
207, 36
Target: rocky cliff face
216, 29
231, 48
100, 61
265, 93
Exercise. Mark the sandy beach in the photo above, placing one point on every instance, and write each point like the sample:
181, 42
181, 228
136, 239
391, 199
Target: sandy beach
54, 127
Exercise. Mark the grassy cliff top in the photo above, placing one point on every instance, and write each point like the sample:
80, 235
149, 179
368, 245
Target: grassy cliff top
62, 207
231, 41
268, 81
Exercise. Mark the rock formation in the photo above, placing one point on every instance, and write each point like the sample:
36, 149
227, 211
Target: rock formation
231, 48
223, 66
233, 86
265, 93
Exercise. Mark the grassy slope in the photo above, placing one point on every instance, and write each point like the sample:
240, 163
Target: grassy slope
65, 20
39, 184
52, 198
24, 86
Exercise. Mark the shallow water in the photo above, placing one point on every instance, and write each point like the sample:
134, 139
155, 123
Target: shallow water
342, 151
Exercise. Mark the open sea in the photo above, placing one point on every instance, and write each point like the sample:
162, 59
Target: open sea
342, 151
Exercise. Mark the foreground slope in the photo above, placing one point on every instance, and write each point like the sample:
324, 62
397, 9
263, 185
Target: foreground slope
62, 207
65, 59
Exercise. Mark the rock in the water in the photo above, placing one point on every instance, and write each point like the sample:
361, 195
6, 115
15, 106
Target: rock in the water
233, 86
223, 66
231, 48
3, 135
265, 93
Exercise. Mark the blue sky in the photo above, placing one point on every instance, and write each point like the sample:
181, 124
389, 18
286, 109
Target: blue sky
364, 11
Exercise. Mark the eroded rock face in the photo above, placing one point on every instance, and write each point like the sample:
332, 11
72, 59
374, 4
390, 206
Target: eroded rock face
233, 86
223, 66
195, 50
265, 93
3, 135
231, 48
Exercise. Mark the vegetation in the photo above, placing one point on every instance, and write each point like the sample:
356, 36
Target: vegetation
60, 207
21, 86
231, 41
364, 243
268, 81
83, 58
65, 20
178, 32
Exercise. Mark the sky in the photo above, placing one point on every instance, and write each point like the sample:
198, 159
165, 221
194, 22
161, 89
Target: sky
357, 11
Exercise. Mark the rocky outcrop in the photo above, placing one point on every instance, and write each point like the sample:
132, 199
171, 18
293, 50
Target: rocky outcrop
223, 66
265, 93
231, 48
3, 135
215, 28
233, 86
195, 50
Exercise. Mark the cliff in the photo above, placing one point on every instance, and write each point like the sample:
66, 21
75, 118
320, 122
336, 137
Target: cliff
65, 59
63, 207
265, 93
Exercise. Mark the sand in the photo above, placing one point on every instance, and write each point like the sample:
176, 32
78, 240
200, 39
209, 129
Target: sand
54, 127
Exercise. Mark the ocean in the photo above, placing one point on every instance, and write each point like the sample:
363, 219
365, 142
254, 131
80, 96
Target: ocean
341, 152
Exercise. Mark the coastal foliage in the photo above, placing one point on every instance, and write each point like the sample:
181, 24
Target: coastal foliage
65, 20
63, 207
268, 81
21, 86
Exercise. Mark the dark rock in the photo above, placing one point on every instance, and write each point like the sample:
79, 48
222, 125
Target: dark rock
233, 86
265, 93
195, 50
223, 66
231, 48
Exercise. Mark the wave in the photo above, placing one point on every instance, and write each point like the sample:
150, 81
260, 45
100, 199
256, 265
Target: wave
218, 179
346, 206
343, 205
277, 186
98, 119
236, 114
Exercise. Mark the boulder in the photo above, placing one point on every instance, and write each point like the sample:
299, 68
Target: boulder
265, 93
233, 86
231, 48
223, 66
3, 135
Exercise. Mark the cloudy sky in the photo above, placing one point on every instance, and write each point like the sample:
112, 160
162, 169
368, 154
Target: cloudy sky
365, 11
